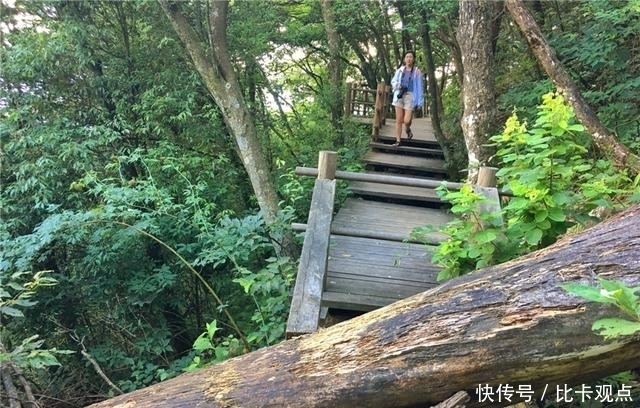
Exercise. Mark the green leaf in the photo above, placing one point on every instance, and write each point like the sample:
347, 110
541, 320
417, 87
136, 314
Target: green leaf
10, 311
484, 236
39, 359
246, 283
202, 343
614, 327
533, 237
557, 215
587, 292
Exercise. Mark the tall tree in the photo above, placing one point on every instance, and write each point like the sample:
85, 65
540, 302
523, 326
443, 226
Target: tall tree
335, 64
605, 141
215, 67
476, 38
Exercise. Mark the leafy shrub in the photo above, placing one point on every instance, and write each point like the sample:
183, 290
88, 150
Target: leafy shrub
556, 184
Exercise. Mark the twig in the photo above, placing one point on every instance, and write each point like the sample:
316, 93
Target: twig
95, 364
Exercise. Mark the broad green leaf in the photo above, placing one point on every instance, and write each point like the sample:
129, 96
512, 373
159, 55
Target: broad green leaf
10, 311
485, 236
245, 283
534, 236
557, 215
202, 343
614, 327
39, 359
590, 293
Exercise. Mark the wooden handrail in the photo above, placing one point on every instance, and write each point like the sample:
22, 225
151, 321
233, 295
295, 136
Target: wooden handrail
304, 314
382, 178
389, 179
360, 101
434, 238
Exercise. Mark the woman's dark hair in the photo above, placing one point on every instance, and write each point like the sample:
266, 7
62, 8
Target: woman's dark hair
412, 52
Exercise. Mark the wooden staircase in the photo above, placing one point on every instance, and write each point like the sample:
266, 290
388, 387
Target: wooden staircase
366, 256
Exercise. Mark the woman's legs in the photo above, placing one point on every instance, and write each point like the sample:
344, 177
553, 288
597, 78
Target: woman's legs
399, 121
408, 118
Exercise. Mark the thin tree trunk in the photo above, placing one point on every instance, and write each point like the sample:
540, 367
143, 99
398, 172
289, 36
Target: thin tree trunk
475, 36
604, 140
506, 324
220, 79
335, 66
433, 95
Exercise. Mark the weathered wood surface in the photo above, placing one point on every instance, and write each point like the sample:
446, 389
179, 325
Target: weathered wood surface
369, 189
307, 293
511, 323
390, 221
384, 178
418, 151
405, 162
364, 274
421, 128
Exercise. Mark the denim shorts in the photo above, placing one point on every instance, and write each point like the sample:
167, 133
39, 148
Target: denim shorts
406, 102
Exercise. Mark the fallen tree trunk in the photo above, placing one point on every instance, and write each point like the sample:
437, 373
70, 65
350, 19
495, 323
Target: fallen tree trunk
511, 323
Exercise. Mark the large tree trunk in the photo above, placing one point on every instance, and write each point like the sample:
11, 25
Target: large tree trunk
475, 36
218, 75
510, 323
604, 140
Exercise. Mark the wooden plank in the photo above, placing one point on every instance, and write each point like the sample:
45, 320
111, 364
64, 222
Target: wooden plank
370, 288
425, 273
421, 128
492, 203
406, 162
396, 220
418, 151
337, 300
363, 274
304, 315
390, 191
384, 178
430, 238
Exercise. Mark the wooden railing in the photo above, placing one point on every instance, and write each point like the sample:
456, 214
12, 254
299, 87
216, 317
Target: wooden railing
360, 101
370, 104
306, 302
304, 315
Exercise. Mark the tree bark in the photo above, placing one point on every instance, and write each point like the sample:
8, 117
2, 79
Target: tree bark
434, 100
335, 66
219, 77
510, 323
604, 140
475, 36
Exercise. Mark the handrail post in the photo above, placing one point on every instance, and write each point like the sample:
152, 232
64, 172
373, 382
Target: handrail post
327, 162
306, 303
487, 187
348, 101
378, 112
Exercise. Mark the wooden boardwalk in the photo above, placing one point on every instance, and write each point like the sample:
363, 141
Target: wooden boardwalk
366, 256
373, 260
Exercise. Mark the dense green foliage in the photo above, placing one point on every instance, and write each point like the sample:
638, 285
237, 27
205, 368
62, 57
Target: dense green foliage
121, 180
555, 182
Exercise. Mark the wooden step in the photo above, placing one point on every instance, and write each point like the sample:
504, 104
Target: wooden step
399, 161
370, 189
390, 221
364, 274
415, 150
